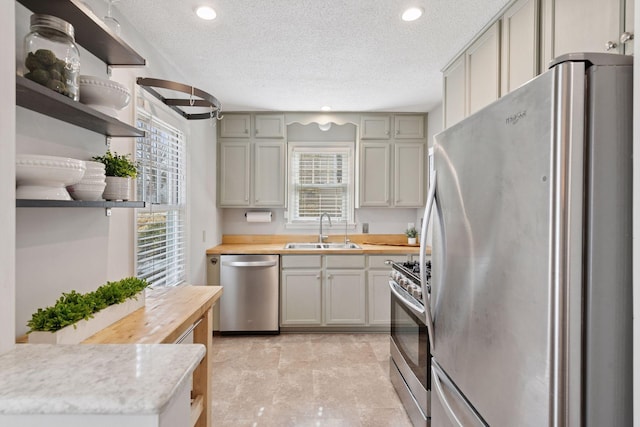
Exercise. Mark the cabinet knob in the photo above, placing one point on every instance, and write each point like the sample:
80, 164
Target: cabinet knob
329, 276
213, 261
626, 37
257, 131
610, 45
246, 131
397, 131
318, 277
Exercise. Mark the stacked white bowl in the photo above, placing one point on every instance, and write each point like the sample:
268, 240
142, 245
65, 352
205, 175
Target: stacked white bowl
92, 184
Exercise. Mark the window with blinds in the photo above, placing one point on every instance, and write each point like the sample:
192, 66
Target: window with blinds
161, 182
321, 180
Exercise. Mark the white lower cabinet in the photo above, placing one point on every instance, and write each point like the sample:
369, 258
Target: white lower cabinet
300, 298
379, 297
327, 291
344, 297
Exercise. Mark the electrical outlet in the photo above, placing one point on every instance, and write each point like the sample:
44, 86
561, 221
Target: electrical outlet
365, 227
411, 225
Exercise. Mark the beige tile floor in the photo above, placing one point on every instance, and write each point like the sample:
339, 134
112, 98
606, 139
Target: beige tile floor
304, 380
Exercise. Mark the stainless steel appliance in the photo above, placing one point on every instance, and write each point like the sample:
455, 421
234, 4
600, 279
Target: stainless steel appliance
409, 367
250, 301
531, 287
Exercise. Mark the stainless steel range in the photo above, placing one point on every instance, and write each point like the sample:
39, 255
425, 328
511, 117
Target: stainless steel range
410, 365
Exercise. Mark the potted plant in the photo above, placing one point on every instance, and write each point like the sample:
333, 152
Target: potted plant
412, 234
119, 169
75, 316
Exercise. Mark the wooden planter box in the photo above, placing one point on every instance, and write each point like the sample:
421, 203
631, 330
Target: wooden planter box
80, 331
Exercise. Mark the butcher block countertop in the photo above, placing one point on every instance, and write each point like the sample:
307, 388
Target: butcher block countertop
274, 244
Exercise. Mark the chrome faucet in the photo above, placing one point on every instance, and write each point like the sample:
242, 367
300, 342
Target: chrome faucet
321, 237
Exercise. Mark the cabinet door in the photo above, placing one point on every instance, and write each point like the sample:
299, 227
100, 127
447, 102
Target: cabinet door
300, 297
269, 174
483, 70
375, 127
519, 46
583, 26
409, 173
374, 174
235, 126
234, 166
455, 92
409, 127
270, 126
379, 297
344, 297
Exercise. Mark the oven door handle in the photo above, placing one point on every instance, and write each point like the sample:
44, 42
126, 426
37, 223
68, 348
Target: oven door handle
415, 308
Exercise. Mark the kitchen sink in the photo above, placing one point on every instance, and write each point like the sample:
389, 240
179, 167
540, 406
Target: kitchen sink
321, 246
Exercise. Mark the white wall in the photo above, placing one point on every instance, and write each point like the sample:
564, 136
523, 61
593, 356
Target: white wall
7, 177
58, 250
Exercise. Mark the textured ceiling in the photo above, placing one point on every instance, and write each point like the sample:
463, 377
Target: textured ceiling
298, 55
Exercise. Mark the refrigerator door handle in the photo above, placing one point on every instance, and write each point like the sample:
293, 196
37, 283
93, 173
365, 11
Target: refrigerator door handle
431, 197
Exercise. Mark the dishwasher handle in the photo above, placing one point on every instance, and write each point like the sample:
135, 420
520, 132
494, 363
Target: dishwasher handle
250, 263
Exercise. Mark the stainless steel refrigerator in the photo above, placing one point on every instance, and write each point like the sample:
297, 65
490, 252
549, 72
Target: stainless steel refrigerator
531, 265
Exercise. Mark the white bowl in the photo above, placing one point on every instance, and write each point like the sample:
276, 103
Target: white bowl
87, 191
45, 177
94, 166
103, 94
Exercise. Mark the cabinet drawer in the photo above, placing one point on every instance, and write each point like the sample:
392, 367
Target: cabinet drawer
377, 261
300, 261
344, 261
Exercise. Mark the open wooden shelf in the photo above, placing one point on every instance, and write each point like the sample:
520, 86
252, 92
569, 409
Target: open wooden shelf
90, 31
41, 99
30, 203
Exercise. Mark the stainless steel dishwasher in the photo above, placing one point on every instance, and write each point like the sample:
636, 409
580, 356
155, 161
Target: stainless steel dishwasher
250, 300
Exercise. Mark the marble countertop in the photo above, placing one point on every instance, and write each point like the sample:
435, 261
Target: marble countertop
94, 379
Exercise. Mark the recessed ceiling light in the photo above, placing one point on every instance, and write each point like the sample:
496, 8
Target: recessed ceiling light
205, 12
326, 108
412, 14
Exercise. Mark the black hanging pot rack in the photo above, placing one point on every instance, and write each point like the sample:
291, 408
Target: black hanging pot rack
197, 98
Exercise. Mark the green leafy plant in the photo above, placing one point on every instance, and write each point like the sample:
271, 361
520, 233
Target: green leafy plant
411, 232
117, 164
72, 307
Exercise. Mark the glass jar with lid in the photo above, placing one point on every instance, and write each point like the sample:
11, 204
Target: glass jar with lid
52, 58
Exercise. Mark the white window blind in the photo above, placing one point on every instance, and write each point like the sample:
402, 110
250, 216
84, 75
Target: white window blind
161, 182
320, 181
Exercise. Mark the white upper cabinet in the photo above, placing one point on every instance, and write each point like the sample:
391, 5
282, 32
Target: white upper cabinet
483, 70
455, 92
408, 176
235, 126
375, 173
587, 26
252, 171
519, 45
408, 126
270, 126
234, 173
375, 127
269, 174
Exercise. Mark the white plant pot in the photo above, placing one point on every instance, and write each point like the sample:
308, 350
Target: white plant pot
80, 331
117, 188
412, 240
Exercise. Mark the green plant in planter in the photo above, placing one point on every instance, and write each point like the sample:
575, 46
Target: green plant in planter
117, 164
411, 232
72, 307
